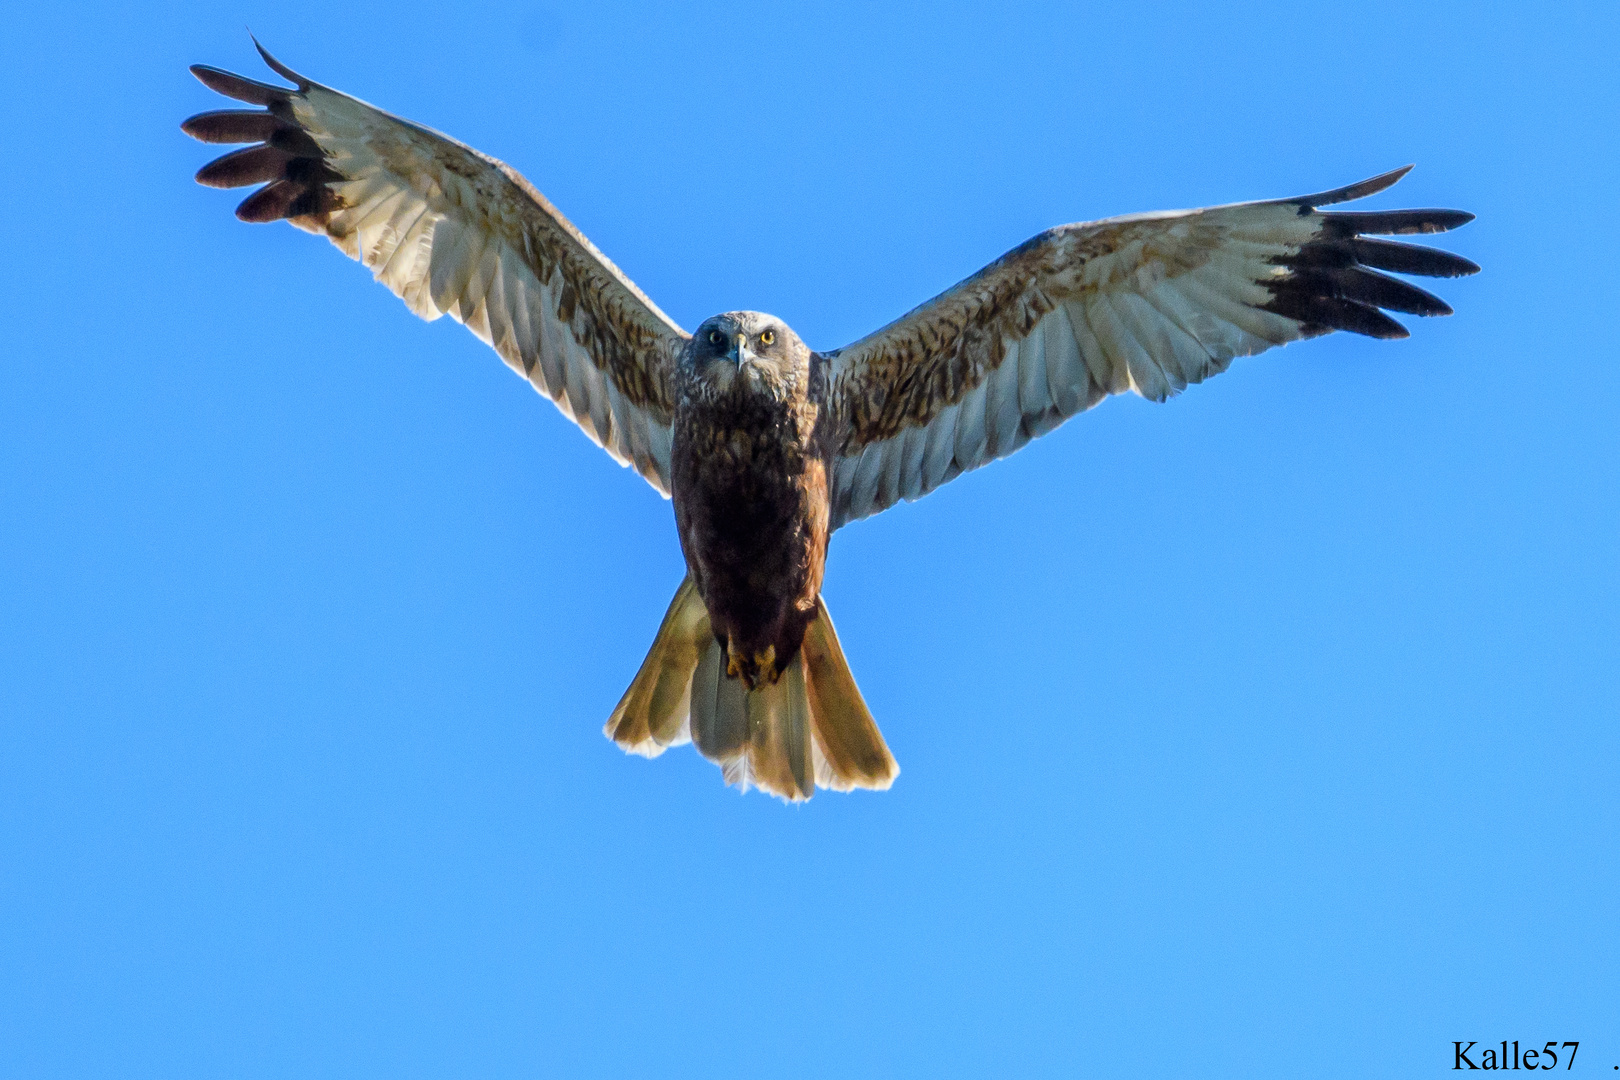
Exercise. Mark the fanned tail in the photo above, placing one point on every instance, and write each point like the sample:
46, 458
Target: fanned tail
809, 728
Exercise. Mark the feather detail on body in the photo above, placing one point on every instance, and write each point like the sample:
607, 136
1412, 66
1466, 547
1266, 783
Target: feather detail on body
750, 489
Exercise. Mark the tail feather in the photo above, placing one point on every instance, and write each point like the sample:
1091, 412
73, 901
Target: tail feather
719, 708
777, 756
653, 714
846, 735
759, 738
810, 728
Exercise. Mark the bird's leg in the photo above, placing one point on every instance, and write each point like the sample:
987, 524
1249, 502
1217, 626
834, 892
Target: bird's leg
738, 664
755, 670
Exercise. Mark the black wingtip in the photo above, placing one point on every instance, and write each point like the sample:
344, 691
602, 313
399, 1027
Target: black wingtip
1359, 190
240, 168
302, 82
278, 67
1395, 222
232, 126
235, 86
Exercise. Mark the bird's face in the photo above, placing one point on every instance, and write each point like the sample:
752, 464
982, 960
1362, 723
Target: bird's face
747, 353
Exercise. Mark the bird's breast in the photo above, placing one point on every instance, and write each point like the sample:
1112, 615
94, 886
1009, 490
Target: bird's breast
750, 495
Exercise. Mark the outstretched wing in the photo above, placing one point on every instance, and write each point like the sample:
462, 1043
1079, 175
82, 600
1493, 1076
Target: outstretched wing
1148, 302
454, 232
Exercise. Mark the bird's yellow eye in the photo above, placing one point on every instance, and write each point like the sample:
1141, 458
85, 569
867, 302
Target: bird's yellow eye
767, 337
716, 338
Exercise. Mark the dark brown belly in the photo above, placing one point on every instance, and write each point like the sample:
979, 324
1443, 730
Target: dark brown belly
751, 508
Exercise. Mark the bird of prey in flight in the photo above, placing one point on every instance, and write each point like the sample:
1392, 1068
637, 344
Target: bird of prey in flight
767, 446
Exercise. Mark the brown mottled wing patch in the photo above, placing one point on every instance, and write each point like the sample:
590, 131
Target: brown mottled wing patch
453, 232
1150, 303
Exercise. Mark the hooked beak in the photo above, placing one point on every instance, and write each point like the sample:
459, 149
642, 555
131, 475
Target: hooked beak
741, 342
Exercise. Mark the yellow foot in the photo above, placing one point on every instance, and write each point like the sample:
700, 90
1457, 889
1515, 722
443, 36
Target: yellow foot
765, 665
753, 670
738, 667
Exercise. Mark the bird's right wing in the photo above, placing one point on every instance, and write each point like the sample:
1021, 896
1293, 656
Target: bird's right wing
453, 232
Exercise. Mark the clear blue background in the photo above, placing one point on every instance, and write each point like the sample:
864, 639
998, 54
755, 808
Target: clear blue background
1268, 732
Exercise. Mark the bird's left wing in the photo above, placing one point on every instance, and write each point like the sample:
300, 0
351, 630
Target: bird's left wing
1149, 302
453, 232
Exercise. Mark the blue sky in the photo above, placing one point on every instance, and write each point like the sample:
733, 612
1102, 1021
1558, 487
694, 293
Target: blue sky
1269, 731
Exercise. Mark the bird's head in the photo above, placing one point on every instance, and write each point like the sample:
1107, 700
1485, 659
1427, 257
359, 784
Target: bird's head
747, 352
